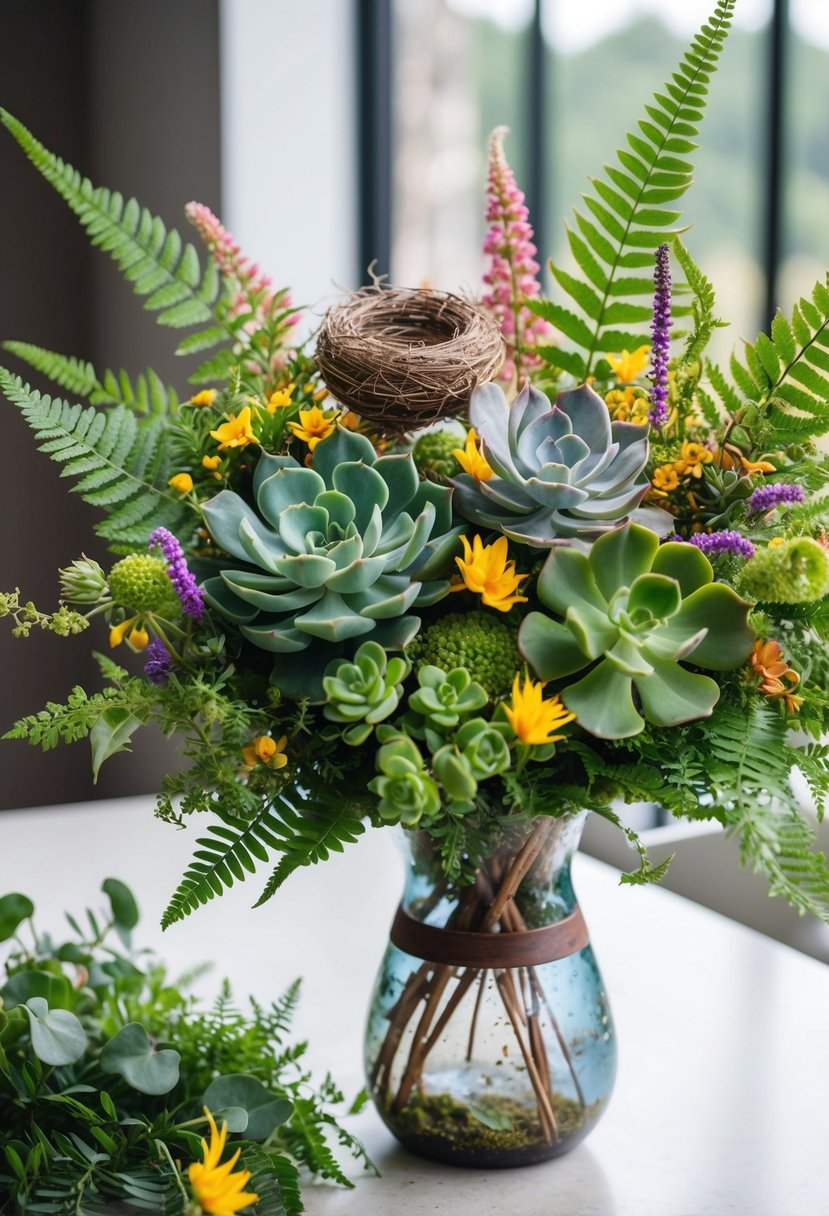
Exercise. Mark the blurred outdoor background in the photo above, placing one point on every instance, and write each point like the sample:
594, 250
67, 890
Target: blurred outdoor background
336, 133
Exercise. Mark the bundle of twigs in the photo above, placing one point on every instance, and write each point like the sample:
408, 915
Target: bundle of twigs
402, 358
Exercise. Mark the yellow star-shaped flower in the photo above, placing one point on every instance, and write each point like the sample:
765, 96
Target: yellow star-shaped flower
237, 432
630, 364
486, 571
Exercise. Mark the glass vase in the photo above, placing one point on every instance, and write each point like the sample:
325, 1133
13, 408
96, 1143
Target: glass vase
490, 1040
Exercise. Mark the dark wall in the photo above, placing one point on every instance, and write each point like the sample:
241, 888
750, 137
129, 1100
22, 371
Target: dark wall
128, 92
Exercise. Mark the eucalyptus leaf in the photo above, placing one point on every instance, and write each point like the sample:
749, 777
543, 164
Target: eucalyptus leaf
23, 985
264, 1111
131, 1055
125, 913
14, 908
58, 1037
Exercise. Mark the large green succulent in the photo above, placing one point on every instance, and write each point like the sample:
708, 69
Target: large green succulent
631, 611
331, 553
560, 471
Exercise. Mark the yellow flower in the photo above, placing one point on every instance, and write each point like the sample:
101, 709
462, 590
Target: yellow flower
665, 479
314, 425
211, 463
182, 482
629, 364
280, 398
470, 459
265, 750
625, 406
775, 541
206, 397
138, 639
486, 571
320, 394
692, 456
349, 419
118, 632
216, 1188
531, 717
236, 432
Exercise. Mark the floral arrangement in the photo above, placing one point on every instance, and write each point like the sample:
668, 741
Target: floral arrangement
600, 577
118, 1087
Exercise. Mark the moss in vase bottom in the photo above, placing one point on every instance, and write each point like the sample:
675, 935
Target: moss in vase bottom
430, 1117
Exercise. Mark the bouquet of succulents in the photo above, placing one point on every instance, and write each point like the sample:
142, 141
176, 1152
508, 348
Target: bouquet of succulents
599, 577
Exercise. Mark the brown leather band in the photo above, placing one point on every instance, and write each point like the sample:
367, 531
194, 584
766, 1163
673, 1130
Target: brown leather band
528, 948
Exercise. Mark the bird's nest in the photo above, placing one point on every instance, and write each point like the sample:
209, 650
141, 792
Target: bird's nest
402, 358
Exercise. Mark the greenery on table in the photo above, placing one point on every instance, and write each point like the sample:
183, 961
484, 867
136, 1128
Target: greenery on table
107, 1063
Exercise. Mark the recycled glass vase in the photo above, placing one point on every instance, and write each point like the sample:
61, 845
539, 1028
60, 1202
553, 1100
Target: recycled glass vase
490, 1040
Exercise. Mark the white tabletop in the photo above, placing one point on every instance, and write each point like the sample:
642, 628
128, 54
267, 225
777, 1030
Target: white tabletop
720, 1105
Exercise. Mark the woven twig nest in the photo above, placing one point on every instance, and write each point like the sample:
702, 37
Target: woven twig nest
402, 358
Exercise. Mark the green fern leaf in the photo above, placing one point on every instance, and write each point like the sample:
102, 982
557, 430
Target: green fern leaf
75, 375
628, 217
225, 856
118, 460
148, 394
157, 263
787, 371
309, 834
751, 763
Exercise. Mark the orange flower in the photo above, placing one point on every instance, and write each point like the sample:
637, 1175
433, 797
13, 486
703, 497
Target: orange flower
777, 679
182, 482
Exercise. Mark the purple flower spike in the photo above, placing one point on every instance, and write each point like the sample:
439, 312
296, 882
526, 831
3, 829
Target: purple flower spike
159, 662
184, 584
714, 543
661, 338
766, 497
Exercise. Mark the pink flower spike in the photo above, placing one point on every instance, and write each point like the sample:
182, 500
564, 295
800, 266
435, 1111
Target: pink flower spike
251, 289
512, 270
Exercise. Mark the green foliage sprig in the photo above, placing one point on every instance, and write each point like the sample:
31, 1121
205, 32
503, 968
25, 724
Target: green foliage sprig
106, 1064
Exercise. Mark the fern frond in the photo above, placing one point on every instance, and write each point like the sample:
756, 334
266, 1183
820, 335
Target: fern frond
787, 371
77, 376
119, 463
225, 856
155, 260
309, 834
147, 394
626, 216
704, 317
751, 763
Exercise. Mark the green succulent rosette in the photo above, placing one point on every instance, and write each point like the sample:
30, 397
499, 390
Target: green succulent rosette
331, 553
560, 471
630, 612
365, 692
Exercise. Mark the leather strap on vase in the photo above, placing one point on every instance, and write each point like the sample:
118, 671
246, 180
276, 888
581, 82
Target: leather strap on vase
527, 948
